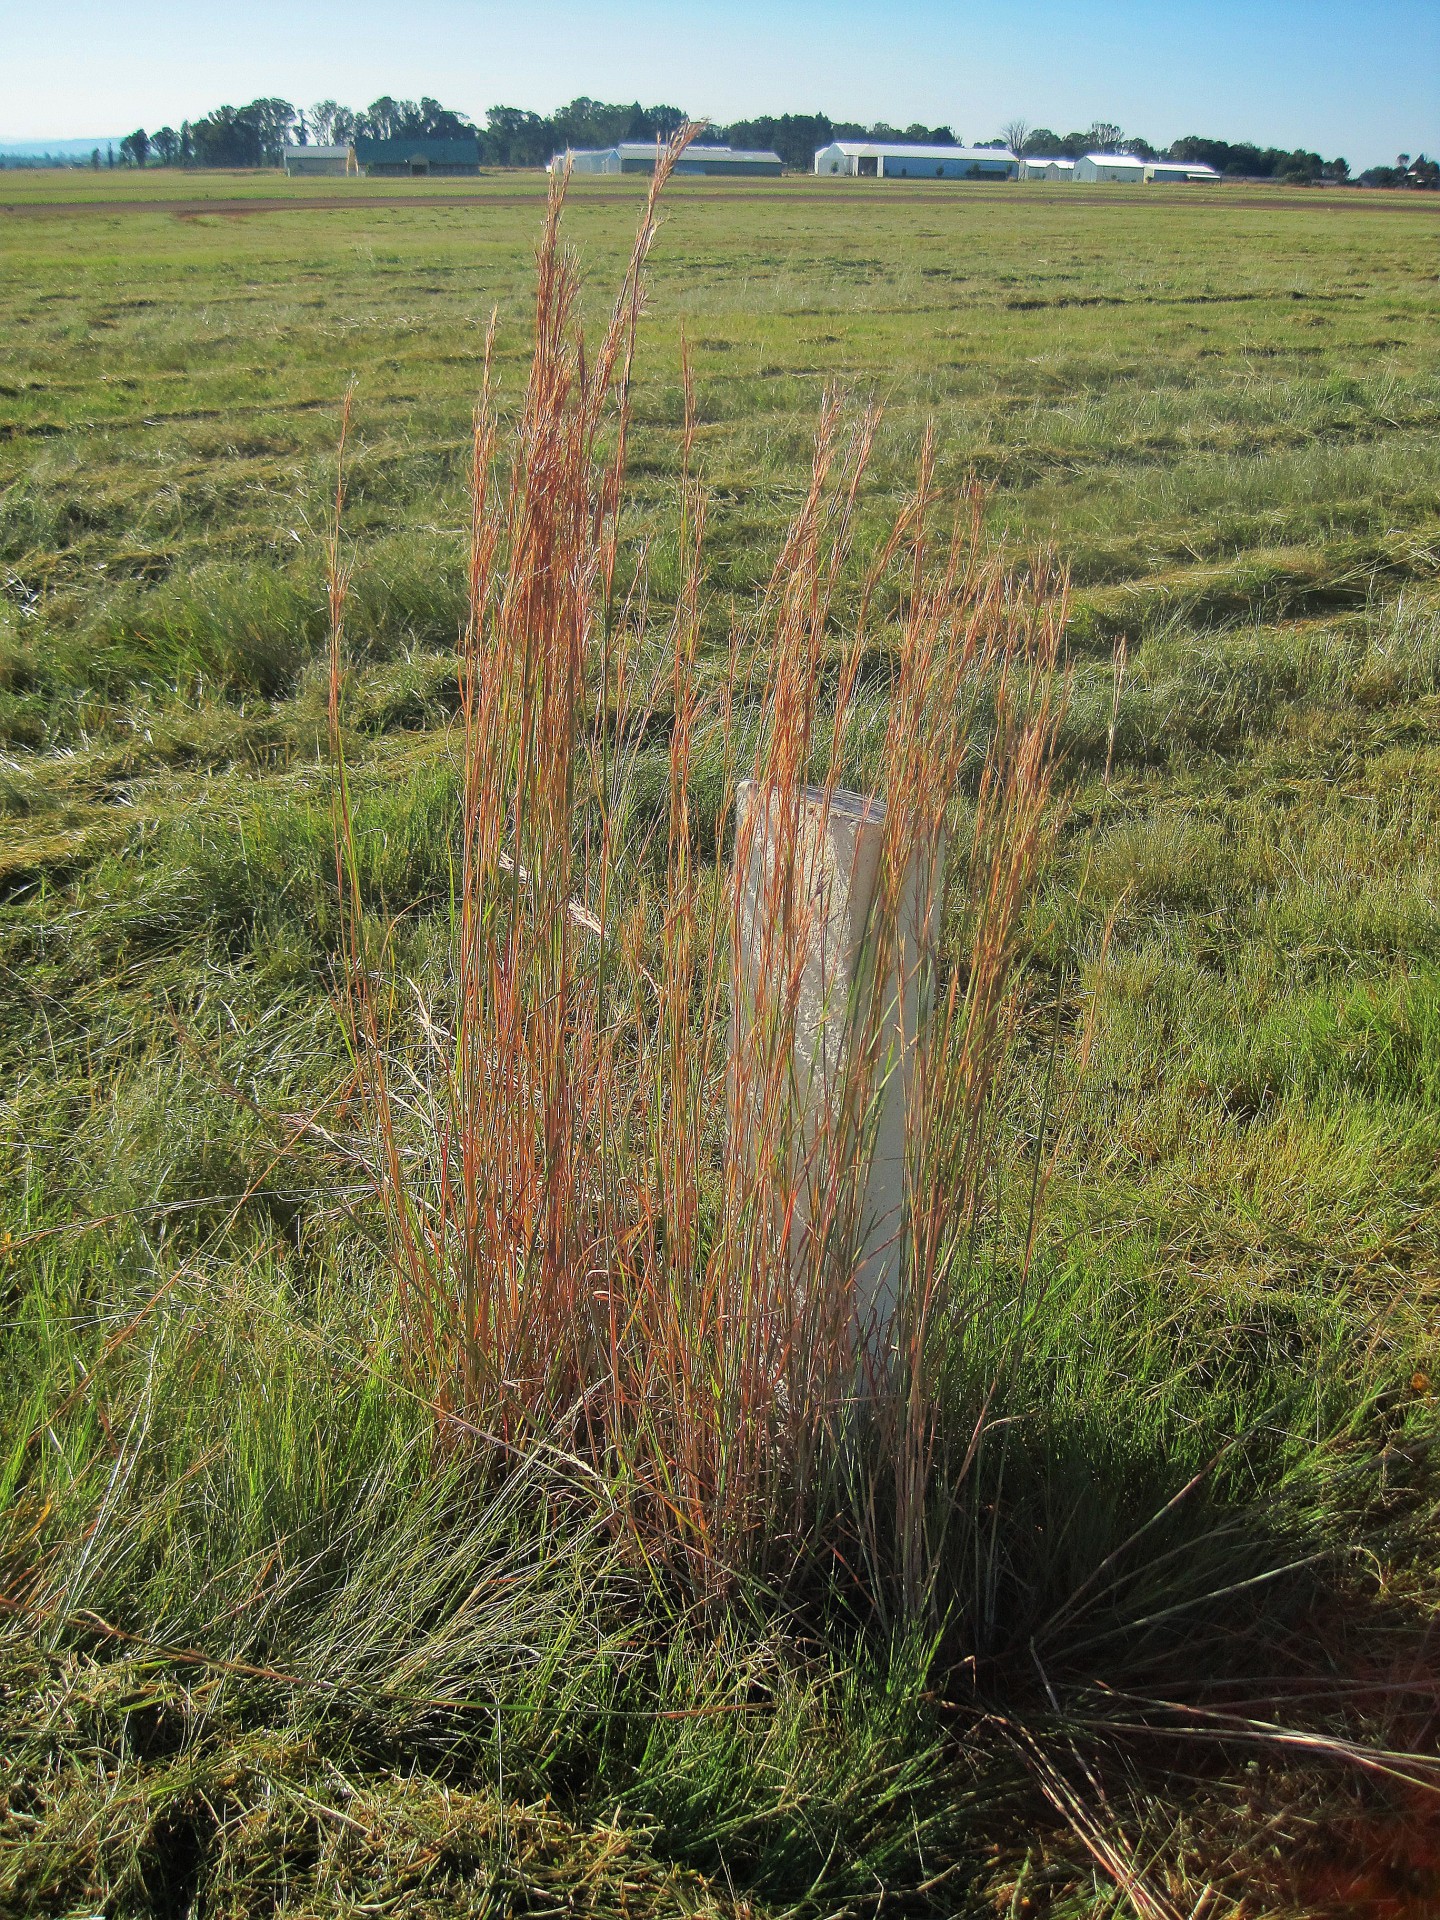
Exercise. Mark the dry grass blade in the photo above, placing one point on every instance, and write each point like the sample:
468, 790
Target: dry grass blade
1104, 1840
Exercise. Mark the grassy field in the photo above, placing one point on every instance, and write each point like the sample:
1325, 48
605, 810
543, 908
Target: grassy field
267, 1642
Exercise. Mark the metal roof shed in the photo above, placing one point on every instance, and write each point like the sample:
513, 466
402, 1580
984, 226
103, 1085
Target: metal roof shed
1123, 168
310, 161
727, 162
885, 160
587, 160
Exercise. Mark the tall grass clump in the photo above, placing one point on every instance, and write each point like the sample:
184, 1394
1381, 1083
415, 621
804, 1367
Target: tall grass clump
622, 1234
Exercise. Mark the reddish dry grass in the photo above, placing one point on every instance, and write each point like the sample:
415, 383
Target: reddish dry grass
596, 1228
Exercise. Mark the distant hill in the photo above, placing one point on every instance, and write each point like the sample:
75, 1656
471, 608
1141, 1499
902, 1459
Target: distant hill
57, 149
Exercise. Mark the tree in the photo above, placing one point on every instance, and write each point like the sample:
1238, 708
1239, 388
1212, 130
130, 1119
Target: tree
1242, 159
322, 121
272, 120
391, 119
590, 123
187, 144
655, 123
1015, 134
440, 123
1105, 137
95, 158
166, 143
226, 138
1297, 169
1042, 143
380, 119
598, 123
514, 137
796, 137
250, 136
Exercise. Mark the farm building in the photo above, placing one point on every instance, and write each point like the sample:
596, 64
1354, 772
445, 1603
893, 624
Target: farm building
1170, 173
419, 157
1038, 169
1111, 166
308, 161
877, 160
638, 156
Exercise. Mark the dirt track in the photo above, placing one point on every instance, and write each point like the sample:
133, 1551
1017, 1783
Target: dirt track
1329, 201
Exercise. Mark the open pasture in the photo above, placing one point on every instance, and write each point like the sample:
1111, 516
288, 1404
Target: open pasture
270, 1674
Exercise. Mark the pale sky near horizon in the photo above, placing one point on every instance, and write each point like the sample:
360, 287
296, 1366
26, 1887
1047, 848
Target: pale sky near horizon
1357, 79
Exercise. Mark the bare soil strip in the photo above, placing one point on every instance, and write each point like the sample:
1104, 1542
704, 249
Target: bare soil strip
1269, 197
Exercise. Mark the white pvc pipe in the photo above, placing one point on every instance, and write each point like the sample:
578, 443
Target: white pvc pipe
827, 962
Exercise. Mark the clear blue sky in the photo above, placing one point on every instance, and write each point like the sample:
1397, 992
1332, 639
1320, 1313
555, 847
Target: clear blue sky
1361, 78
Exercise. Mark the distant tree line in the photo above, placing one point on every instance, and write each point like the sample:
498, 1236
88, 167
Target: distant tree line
253, 136
1261, 163
1239, 159
1406, 172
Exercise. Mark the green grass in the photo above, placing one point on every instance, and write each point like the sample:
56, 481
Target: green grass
266, 1643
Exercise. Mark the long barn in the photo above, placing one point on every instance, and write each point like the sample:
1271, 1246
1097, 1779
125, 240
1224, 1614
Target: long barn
638, 156
419, 158
882, 160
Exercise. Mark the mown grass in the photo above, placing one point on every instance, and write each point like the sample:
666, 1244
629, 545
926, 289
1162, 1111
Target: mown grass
268, 1642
